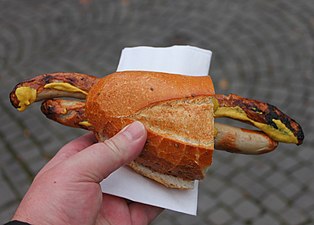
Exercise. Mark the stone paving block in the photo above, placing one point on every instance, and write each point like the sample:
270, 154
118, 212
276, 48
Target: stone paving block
247, 210
311, 215
8, 128
240, 161
310, 186
4, 155
33, 125
22, 187
52, 146
224, 170
288, 163
222, 156
242, 180
303, 174
15, 171
293, 216
274, 203
240, 222
24, 150
230, 196
206, 202
5, 188
36, 165
7, 213
162, 220
260, 169
220, 216
187, 219
266, 219
290, 190
276, 179
305, 201
12, 134
213, 184
5, 118
307, 154
256, 189
27, 151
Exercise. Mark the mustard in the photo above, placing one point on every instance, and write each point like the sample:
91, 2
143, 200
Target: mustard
85, 123
215, 132
289, 137
216, 104
282, 134
64, 87
26, 96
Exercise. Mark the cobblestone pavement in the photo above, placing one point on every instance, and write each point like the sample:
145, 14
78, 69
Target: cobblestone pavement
262, 49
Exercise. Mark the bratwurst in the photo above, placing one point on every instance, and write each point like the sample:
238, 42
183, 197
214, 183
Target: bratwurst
178, 112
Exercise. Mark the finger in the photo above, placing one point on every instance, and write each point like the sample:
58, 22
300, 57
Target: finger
76, 146
99, 160
142, 213
114, 210
70, 149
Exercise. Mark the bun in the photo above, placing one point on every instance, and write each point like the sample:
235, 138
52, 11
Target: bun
167, 180
177, 112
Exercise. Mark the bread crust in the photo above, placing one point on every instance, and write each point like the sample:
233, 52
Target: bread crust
127, 92
180, 143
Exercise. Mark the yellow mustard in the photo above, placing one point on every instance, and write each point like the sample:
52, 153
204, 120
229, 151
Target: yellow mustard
289, 137
26, 96
282, 134
85, 123
215, 132
64, 87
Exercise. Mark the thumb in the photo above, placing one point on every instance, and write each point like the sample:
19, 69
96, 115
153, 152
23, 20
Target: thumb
99, 160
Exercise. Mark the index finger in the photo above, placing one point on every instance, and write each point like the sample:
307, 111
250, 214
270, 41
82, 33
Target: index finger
142, 213
70, 149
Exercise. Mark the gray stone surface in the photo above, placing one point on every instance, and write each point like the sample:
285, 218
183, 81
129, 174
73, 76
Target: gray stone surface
261, 49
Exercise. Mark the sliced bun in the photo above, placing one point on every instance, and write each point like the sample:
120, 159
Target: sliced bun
167, 180
177, 112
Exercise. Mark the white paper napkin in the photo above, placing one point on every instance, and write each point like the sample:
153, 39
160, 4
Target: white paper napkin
124, 182
185, 60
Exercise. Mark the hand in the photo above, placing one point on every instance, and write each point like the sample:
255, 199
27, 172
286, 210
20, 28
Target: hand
67, 190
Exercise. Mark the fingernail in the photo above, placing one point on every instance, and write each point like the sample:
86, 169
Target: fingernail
134, 131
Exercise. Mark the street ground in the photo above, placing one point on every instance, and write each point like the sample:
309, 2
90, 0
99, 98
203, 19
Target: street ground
261, 49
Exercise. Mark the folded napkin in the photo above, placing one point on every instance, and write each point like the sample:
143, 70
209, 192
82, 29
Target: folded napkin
124, 182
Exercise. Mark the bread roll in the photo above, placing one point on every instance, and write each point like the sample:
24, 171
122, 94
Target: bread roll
177, 112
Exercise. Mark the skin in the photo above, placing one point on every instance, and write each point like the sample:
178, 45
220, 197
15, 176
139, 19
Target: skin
67, 190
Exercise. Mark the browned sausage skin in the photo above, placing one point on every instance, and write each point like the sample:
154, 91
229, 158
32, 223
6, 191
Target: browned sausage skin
275, 125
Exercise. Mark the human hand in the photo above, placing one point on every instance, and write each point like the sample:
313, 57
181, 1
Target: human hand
67, 190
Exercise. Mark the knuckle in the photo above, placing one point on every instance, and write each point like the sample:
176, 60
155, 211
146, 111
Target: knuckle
114, 148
